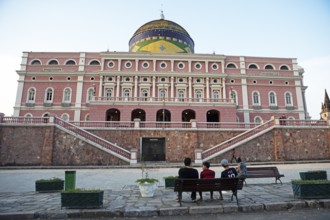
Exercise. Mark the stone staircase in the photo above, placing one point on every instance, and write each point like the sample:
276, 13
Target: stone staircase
94, 140
237, 140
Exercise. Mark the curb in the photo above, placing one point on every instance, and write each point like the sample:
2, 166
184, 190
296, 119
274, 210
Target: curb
154, 165
177, 211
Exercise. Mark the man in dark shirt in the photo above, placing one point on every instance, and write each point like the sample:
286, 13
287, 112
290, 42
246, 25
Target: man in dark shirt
229, 172
188, 172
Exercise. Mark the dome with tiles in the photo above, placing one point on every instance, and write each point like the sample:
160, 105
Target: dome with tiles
161, 36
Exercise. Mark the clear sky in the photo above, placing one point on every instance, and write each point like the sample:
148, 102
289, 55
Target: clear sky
273, 28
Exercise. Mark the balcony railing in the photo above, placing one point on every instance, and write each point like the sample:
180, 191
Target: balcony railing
160, 100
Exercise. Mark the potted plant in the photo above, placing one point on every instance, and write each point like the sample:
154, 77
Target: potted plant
311, 189
49, 185
147, 185
169, 181
314, 175
82, 198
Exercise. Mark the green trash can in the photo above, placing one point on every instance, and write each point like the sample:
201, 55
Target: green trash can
70, 180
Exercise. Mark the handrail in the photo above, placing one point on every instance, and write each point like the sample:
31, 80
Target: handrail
237, 138
104, 143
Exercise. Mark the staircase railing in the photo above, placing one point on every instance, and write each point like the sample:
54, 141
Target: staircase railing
215, 151
112, 148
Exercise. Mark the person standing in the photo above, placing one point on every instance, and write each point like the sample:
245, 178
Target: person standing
187, 172
241, 168
207, 174
233, 156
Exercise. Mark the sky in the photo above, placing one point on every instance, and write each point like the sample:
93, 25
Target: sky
273, 28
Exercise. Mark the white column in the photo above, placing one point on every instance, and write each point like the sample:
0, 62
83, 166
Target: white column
172, 65
136, 65
242, 65
19, 95
155, 63
224, 88
135, 86
295, 67
100, 86
24, 61
172, 86
207, 87
153, 86
79, 92
118, 86
190, 88
82, 61
207, 66
189, 66
300, 100
119, 64
245, 98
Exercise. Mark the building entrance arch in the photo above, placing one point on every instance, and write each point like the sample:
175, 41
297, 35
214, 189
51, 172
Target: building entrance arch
187, 115
138, 113
112, 114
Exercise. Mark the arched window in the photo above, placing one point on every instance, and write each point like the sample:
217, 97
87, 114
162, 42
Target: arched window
90, 94
269, 67
162, 93
216, 94
144, 94
288, 99
112, 114
212, 116
36, 62
65, 117
257, 119
231, 65
87, 117
181, 95
67, 95
198, 94
138, 113
53, 62
127, 93
253, 66
70, 62
272, 98
46, 115
234, 96
255, 98
31, 95
94, 63
28, 115
49, 95
284, 67
108, 93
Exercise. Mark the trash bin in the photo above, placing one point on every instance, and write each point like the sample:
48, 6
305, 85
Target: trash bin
70, 180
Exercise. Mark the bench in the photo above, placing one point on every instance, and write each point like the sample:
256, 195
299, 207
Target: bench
264, 172
207, 185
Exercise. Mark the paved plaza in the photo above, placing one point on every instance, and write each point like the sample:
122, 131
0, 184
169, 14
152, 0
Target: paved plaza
18, 199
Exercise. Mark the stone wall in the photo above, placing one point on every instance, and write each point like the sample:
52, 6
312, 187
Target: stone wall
47, 145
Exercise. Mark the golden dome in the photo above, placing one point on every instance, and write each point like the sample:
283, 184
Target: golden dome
161, 36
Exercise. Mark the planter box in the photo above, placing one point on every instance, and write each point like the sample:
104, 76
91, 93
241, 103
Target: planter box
52, 186
169, 182
313, 175
147, 189
311, 190
82, 200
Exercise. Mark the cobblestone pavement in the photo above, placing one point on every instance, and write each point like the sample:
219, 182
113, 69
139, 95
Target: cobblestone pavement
123, 198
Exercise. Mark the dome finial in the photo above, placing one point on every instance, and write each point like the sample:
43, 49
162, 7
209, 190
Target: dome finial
162, 16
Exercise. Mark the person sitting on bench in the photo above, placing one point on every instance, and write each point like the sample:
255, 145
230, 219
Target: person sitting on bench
229, 172
207, 174
188, 172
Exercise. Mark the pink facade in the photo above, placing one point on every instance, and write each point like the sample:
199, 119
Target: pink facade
111, 85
